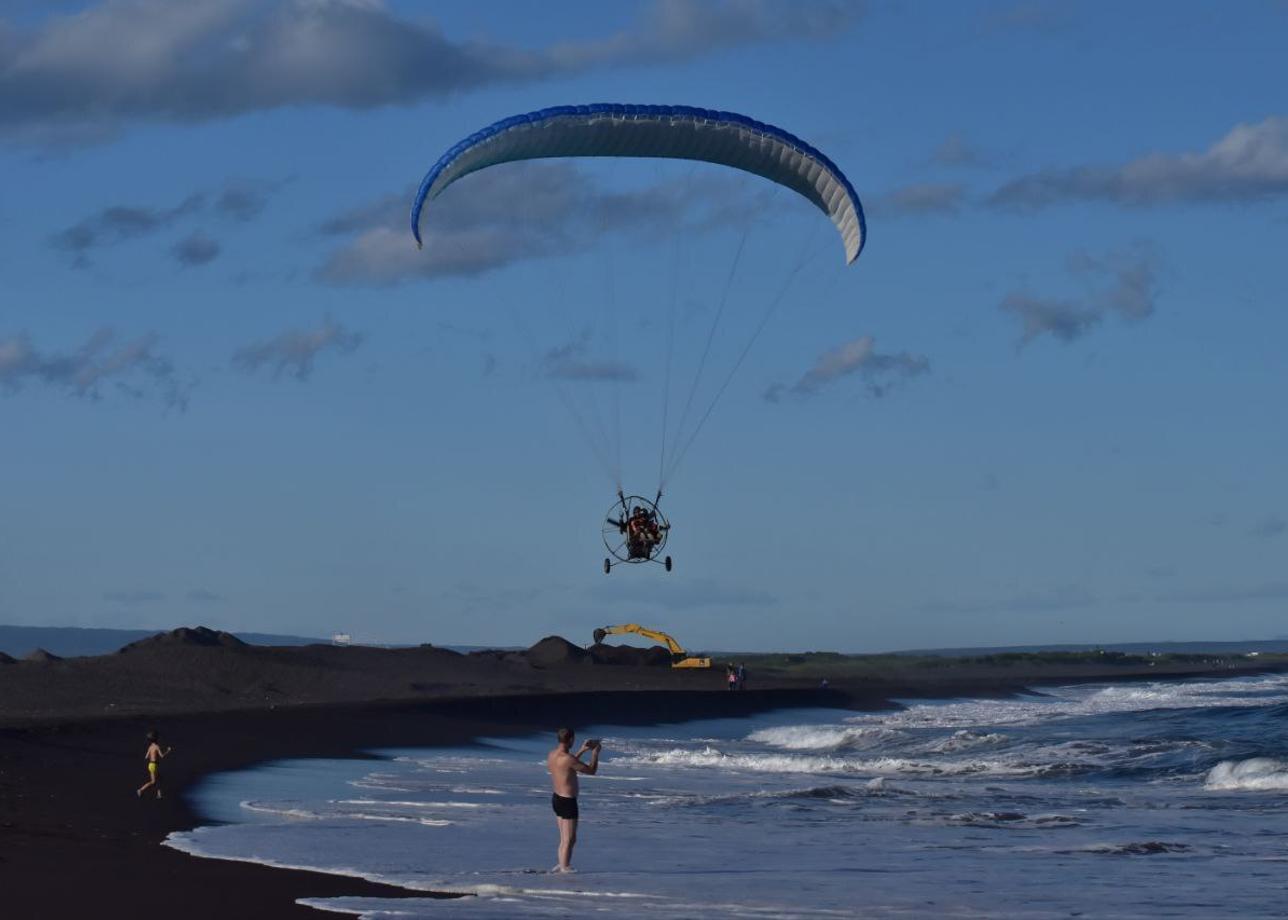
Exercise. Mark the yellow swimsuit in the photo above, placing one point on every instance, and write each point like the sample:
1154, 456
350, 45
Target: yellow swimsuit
152, 767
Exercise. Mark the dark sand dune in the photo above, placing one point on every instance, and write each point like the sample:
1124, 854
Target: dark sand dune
184, 635
40, 656
555, 651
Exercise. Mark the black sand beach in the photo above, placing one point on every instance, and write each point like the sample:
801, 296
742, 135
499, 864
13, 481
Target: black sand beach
75, 841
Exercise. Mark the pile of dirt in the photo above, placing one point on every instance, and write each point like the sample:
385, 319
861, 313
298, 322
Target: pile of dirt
197, 635
653, 656
555, 652
40, 655
499, 655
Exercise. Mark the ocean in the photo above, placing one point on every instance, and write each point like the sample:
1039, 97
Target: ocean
1165, 799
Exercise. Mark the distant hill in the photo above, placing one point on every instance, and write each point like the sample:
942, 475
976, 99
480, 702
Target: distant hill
73, 642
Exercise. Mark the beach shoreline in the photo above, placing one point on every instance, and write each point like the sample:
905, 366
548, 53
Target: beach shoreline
74, 839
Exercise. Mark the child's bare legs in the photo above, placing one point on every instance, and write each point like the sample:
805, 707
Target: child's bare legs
154, 781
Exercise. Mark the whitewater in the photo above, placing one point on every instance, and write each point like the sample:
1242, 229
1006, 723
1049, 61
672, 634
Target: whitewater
1131, 800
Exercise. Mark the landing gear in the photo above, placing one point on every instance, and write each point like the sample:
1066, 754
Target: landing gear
608, 566
667, 563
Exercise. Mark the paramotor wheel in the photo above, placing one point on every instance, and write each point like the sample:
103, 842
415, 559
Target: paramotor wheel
668, 563
608, 566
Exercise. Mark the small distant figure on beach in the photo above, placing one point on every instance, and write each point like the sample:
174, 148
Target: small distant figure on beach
564, 767
731, 677
823, 684
741, 674
153, 757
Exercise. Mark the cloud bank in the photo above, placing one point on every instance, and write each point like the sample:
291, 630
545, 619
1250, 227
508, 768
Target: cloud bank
79, 77
119, 223
239, 200
133, 368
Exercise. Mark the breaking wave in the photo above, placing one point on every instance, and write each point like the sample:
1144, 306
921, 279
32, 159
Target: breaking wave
822, 737
710, 757
298, 812
1261, 774
964, 740
1070, 702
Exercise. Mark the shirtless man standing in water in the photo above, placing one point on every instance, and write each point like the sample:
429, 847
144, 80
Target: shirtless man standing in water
564, 767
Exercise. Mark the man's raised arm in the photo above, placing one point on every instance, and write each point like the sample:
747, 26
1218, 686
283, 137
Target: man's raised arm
588, 768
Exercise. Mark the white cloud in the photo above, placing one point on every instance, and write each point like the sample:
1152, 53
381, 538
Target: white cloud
294, 352
1060, 319
1250, 162
879, 372
1127, 286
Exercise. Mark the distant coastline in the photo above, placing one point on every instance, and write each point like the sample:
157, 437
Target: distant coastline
79, 641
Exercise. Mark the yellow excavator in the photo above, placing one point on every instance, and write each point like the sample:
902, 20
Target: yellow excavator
679, 657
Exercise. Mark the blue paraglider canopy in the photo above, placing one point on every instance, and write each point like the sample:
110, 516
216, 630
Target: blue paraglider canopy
662, 131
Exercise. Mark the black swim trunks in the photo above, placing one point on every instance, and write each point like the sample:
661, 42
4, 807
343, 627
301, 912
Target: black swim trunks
564, 807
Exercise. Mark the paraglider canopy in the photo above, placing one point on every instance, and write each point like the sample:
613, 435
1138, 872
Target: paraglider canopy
635, 530
665, 131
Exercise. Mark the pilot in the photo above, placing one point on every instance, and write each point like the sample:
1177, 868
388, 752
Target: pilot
639, 538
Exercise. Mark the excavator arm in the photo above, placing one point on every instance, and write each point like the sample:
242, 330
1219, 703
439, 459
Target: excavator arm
660, 637
679, 657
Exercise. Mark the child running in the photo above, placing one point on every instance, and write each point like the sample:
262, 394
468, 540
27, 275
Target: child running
153, 757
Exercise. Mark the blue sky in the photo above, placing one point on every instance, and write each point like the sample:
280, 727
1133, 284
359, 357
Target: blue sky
1045, 405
